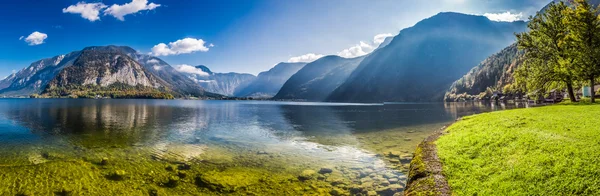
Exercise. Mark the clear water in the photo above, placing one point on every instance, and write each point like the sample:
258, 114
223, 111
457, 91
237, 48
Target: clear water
57, 146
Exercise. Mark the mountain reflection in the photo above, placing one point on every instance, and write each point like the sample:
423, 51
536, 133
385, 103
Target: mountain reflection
100, 123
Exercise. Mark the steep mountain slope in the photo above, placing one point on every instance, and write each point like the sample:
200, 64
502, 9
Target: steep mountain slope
34, 78
316, 80
152, 72
268, 83
174, 79
422, 61
97, 69
221, 83
495, 72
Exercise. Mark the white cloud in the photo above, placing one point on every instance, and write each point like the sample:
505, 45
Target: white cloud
182, 46
504, 17
35, 38
190, 69
21, 38
380, 38
152, 61
360, 49
157, 67
120, 11
310, 57
90, 11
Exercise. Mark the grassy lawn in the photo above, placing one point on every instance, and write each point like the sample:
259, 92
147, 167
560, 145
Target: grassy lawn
552, 150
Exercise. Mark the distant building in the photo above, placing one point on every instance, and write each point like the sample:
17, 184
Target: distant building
586, 90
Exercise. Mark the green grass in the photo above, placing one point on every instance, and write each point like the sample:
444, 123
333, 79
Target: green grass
552, 150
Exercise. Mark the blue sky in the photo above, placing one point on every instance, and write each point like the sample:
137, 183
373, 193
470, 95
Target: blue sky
226, 35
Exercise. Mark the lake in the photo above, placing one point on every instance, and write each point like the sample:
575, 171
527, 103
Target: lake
186, 147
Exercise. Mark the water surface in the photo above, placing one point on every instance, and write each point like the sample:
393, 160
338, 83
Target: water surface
181, 147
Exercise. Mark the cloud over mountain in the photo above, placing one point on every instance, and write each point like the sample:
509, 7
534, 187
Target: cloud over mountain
310, 57
360, 49
190, 69
182, 46
504, 17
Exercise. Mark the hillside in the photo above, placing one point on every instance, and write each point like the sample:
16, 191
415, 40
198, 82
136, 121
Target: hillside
124, 69
496, 72
316, 80
422, 61
268, 83
221, 83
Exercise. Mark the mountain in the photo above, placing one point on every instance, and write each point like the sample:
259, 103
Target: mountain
221, 83
268, 83
494, 72
175, 80
421, 62
34, 78
114, 68
316, 80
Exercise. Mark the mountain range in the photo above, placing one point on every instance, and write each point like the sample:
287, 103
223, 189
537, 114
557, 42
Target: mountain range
109, 70
419, 64
228, 84
316, 80
268, 83
422, 61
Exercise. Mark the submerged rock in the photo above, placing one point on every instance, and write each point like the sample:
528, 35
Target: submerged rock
390, 190
117, 175
173, 182
230, 180
104, 161
307, 175
325, 170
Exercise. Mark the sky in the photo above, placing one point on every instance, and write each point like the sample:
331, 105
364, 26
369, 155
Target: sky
246, 36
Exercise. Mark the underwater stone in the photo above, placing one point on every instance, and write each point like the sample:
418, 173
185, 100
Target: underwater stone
184, 166
173, 182
307, 175
393, 180
65, 192
337, 192
118, 175
24, 193
181, 174
104, 161
390, 190
325, 170
170, 168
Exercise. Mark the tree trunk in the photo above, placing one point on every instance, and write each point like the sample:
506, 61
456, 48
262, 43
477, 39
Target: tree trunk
570, 91
592, 90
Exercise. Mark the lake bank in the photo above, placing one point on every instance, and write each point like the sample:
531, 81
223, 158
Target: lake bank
549, 150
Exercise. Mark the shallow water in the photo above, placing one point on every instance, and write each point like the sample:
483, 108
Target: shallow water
177, 147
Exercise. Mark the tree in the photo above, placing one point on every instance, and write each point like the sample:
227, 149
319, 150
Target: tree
548, 55
584, 36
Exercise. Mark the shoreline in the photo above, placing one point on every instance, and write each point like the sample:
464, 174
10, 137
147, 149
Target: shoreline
425, 175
